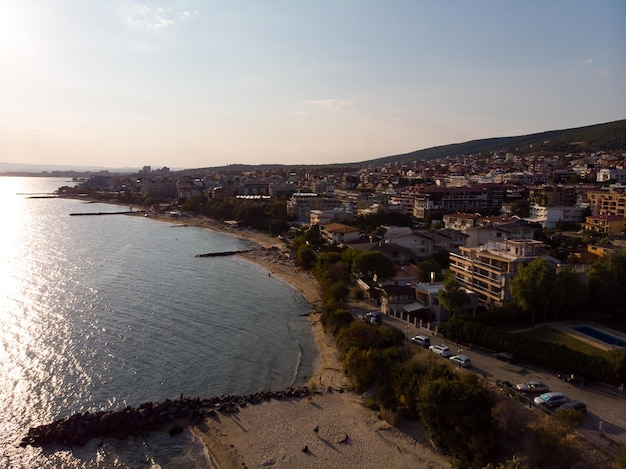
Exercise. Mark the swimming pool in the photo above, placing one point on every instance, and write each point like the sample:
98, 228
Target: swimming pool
602, 336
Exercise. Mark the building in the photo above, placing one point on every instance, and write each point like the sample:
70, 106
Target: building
488, 269
611, 202
392, 298
556, 194
460, 221
611, 174
338, 233
550, 216
500, 228
159, 187
301, 203
449, 199
605, 224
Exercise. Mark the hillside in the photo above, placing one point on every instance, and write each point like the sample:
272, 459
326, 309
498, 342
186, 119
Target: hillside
593, 138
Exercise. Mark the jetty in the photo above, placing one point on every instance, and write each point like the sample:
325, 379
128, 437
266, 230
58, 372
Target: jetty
79, 428
223, 253
125, 212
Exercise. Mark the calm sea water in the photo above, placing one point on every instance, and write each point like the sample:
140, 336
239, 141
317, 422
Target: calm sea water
100, 312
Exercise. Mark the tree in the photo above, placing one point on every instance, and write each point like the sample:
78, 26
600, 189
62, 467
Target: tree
570, 293
305, 256
452, 296
457, 413
521, 208
372, 263
277, 226
607, 281
533, 286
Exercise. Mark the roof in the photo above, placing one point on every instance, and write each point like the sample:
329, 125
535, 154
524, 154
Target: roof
340, 228
412, 307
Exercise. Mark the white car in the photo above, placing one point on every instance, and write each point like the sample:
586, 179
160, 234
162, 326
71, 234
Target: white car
532, 387
441, 350
461, 360
551, 399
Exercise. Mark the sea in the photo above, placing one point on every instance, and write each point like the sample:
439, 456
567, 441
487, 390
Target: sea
103, 312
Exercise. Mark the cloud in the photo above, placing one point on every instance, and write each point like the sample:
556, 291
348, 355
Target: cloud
334, 104
156, 18
589, 61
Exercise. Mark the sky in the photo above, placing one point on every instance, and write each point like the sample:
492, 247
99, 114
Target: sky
200, 83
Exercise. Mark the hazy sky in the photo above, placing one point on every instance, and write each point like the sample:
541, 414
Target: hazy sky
196, 83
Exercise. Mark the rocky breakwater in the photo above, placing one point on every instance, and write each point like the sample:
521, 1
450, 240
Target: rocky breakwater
79, 428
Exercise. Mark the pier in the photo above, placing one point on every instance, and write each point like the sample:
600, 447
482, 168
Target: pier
125, 212
223, 253
78, 429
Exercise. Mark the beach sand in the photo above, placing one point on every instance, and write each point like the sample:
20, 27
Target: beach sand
274, 433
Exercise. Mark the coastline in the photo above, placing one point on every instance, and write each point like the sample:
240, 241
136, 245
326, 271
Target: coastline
274, 433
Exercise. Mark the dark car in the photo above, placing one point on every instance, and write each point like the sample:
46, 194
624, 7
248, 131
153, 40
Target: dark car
572, 378
577, 406
374, 317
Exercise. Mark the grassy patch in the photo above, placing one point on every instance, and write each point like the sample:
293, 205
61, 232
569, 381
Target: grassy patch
548, 334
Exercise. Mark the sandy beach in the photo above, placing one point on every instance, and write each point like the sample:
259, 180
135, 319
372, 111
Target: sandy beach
281, 434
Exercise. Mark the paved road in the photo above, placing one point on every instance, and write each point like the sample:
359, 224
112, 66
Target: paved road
604, 404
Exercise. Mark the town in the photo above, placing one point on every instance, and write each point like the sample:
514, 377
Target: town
488, 212
512, 259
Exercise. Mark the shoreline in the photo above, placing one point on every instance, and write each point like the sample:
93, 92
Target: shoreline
275, 433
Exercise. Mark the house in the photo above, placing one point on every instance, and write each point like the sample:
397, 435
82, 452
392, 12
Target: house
339, 233
393, 297
508, 228
424, 243
460, 221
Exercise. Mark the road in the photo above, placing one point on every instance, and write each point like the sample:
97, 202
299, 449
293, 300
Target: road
604, 404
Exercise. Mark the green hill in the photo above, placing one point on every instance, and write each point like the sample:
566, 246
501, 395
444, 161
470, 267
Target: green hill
593, 138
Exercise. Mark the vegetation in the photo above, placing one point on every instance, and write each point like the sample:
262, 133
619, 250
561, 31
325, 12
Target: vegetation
452, 296
607, 282
602, 137
465, 419
521, 208
532, 286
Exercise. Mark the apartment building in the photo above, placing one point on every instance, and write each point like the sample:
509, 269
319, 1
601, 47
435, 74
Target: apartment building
301, 203
549, 216
449, 199
556, 194
487, 270
610, 202
605, 224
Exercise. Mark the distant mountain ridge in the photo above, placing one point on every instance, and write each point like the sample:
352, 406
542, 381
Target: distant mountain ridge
610, 136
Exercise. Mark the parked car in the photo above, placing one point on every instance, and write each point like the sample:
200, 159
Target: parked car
461, 360
551, 399
374, 317
577, 406
532, 386
421, 340
572, 378
504, 356
441, 350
